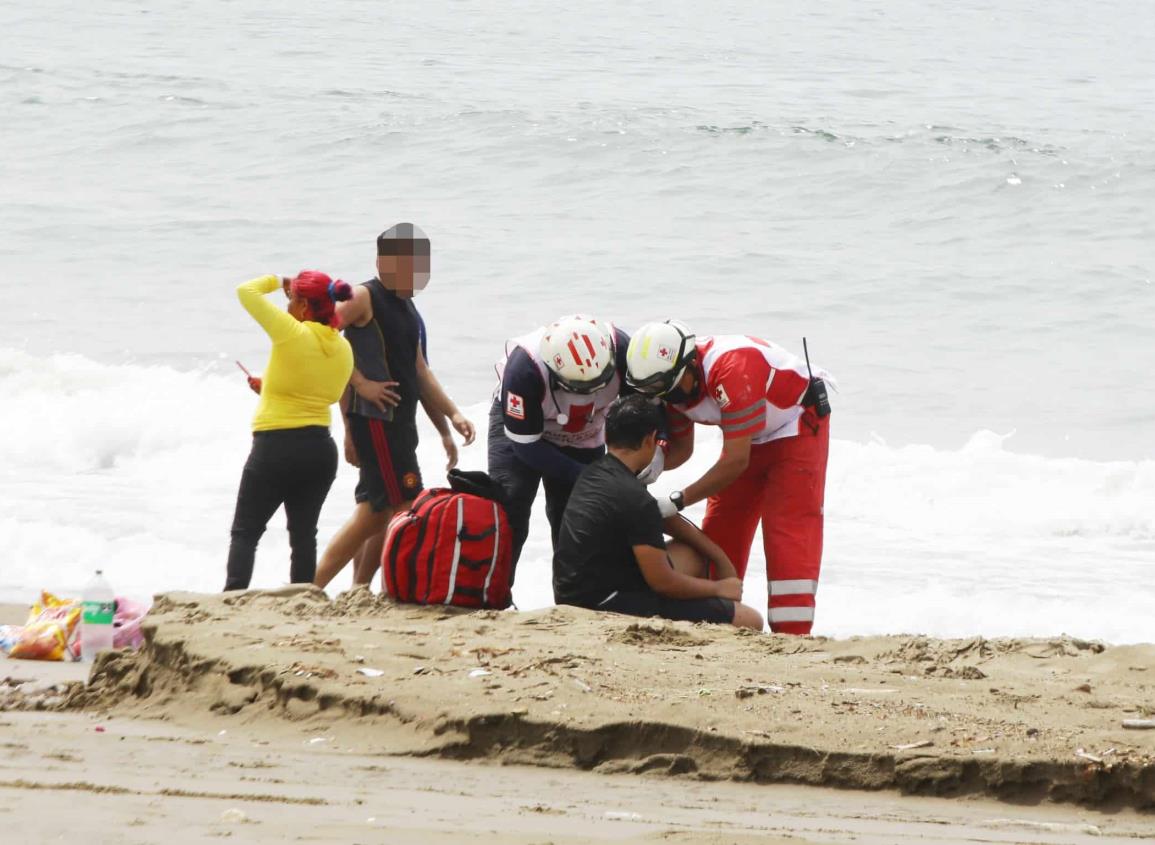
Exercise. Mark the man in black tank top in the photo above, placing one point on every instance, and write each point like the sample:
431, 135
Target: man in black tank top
390, 377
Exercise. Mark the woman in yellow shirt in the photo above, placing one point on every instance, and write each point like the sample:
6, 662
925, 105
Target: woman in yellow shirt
293, 460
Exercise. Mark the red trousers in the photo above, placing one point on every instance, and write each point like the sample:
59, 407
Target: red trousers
783, 488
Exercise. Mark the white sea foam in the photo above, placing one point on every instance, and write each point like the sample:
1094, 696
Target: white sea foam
134, 469
876, 179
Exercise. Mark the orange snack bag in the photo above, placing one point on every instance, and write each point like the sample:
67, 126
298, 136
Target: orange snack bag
50, 630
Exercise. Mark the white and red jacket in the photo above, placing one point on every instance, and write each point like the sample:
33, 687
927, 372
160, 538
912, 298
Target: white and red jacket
534, 412
750, 387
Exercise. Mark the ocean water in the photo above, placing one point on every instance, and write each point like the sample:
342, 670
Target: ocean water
951, 201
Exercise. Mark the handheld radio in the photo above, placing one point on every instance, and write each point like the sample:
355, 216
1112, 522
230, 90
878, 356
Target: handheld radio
816, 396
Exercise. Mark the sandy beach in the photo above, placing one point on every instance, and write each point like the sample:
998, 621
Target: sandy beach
285, 714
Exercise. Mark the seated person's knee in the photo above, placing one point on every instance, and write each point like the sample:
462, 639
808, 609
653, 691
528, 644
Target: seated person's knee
686, 560
747, 617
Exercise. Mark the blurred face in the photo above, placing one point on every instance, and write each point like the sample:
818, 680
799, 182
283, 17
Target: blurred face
298, 306
403, 274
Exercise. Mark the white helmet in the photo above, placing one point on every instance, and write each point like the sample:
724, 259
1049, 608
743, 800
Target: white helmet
658, 355
579, 353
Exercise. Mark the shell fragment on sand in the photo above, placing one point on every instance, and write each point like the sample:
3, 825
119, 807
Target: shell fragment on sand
757, 689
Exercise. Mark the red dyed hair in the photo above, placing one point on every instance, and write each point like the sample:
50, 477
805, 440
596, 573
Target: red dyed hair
322, 295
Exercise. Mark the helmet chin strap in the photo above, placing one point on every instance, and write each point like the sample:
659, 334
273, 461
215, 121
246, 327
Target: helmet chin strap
562, 417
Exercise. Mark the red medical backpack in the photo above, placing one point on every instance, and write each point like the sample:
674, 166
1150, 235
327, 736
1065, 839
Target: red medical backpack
449, 548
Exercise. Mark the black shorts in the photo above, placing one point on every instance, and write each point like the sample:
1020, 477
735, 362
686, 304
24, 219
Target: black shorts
388, 457
649, 603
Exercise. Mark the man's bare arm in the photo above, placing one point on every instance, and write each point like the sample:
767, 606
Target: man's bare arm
357, 311
731, 463
681, 447
441, 423
432, 392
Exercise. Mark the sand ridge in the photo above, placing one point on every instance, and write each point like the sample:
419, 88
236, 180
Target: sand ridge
165, 782
1018, 719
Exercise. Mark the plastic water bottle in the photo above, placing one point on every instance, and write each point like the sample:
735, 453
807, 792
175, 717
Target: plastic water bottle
96, 622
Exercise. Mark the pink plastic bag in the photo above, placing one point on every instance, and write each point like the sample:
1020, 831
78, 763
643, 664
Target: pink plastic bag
127, 624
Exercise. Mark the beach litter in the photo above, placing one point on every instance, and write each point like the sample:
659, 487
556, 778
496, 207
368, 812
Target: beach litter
479, 673
52, 629
370, 673
623, 817
1139, 724
1046, 827
923, 743
51, 632
1080, 753
234, 816
757, 689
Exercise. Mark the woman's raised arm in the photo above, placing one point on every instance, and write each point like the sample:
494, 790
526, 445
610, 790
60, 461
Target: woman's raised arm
278, 323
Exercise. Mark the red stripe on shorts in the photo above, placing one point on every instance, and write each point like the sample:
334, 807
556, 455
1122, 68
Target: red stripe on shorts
385, 460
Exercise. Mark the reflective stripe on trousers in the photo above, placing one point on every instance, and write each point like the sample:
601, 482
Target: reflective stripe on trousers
791, 614
793, 587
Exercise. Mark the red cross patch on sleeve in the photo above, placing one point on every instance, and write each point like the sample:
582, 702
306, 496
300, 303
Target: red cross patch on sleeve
515, 406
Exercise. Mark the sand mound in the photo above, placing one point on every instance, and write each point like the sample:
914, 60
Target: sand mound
1022, 720
655, 633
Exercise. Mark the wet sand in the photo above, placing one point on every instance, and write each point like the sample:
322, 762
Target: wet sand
722, 725
143, 781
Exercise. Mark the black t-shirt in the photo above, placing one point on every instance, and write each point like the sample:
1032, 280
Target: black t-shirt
385, 349
609, 512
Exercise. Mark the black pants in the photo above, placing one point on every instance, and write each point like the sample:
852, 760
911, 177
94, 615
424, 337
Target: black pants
294, 467
520, 482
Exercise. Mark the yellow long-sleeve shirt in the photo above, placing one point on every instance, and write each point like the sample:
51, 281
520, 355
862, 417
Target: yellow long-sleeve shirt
307, 370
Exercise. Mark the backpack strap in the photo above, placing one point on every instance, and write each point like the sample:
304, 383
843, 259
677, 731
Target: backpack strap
493, 561
456, 550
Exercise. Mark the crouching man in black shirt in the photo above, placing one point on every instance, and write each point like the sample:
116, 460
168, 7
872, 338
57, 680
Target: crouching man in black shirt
611, 553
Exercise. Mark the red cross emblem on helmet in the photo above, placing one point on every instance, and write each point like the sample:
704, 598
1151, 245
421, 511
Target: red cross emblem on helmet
664, 353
